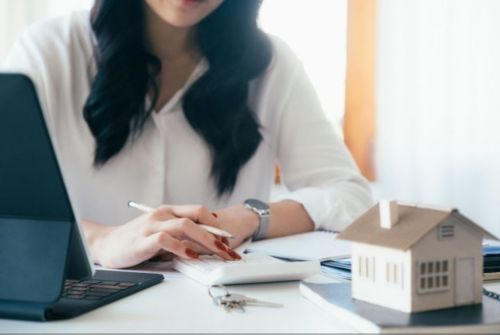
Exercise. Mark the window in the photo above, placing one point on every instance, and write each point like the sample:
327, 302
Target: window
324, 56
446, 231
366, 267
394, 274
433, 276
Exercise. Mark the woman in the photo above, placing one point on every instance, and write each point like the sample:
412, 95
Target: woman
184, 102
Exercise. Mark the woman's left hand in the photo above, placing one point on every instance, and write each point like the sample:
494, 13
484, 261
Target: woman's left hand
239, 221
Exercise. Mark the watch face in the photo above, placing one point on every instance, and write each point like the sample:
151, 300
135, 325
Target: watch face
257, 204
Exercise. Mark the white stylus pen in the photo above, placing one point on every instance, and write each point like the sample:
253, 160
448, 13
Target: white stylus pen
210, 229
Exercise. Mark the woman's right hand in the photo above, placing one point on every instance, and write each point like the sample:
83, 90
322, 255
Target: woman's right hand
150, 235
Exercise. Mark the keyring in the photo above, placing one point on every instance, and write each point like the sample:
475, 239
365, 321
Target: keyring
221, 287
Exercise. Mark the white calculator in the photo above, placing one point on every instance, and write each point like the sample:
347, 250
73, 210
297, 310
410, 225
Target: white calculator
253, 268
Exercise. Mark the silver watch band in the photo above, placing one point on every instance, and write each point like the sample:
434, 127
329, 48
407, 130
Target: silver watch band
262, 210
263, 225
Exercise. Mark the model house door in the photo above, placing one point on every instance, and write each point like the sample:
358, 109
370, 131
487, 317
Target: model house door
464, 279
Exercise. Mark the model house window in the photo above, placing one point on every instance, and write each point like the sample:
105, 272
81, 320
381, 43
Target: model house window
433, 276
394, 274
366, 267
446, 231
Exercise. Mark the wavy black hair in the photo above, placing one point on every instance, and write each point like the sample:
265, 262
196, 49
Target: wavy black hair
215, 106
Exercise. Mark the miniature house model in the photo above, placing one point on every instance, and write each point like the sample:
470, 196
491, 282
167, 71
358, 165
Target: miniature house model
414, 258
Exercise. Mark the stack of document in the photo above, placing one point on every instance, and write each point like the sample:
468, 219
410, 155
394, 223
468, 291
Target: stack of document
334, 255
491, 265
339, 267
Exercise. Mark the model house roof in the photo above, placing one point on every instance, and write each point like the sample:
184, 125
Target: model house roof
414, 222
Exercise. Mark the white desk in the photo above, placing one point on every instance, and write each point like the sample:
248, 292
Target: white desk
181, 305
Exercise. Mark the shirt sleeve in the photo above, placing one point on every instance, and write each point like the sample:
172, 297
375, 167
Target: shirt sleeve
316, 166
25, 57
55, 55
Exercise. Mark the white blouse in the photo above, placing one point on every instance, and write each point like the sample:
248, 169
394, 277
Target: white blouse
169, 163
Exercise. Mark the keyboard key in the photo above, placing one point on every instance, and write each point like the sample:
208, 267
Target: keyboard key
106, 287
91, 282
102, 290
113, 283
93, 289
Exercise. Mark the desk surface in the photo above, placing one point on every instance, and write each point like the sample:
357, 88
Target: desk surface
179, 304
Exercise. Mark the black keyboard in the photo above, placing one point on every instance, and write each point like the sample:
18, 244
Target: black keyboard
93, 289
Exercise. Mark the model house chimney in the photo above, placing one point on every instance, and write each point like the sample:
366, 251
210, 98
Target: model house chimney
389, 215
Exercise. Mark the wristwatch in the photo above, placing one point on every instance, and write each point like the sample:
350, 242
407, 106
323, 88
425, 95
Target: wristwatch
262, 210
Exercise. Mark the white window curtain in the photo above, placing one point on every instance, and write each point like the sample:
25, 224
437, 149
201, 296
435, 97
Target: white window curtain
438, 93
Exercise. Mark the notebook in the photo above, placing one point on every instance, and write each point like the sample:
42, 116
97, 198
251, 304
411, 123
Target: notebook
336, 299
317, 245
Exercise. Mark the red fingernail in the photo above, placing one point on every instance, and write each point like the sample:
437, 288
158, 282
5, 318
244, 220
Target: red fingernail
225, 241
233, 254
220, 245
191, 253
215, 215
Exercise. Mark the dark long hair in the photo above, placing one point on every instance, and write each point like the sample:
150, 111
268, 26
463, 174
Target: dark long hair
215, 106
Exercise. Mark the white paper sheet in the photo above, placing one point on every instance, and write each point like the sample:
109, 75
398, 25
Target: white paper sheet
316, 245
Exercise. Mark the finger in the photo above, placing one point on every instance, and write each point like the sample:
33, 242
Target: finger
196, 213
163, 257
166, 242
196, 247
162, 213
204, 251
224, 240
157, 219
187, 228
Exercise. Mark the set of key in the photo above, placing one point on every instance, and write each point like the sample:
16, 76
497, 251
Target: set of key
233, 301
